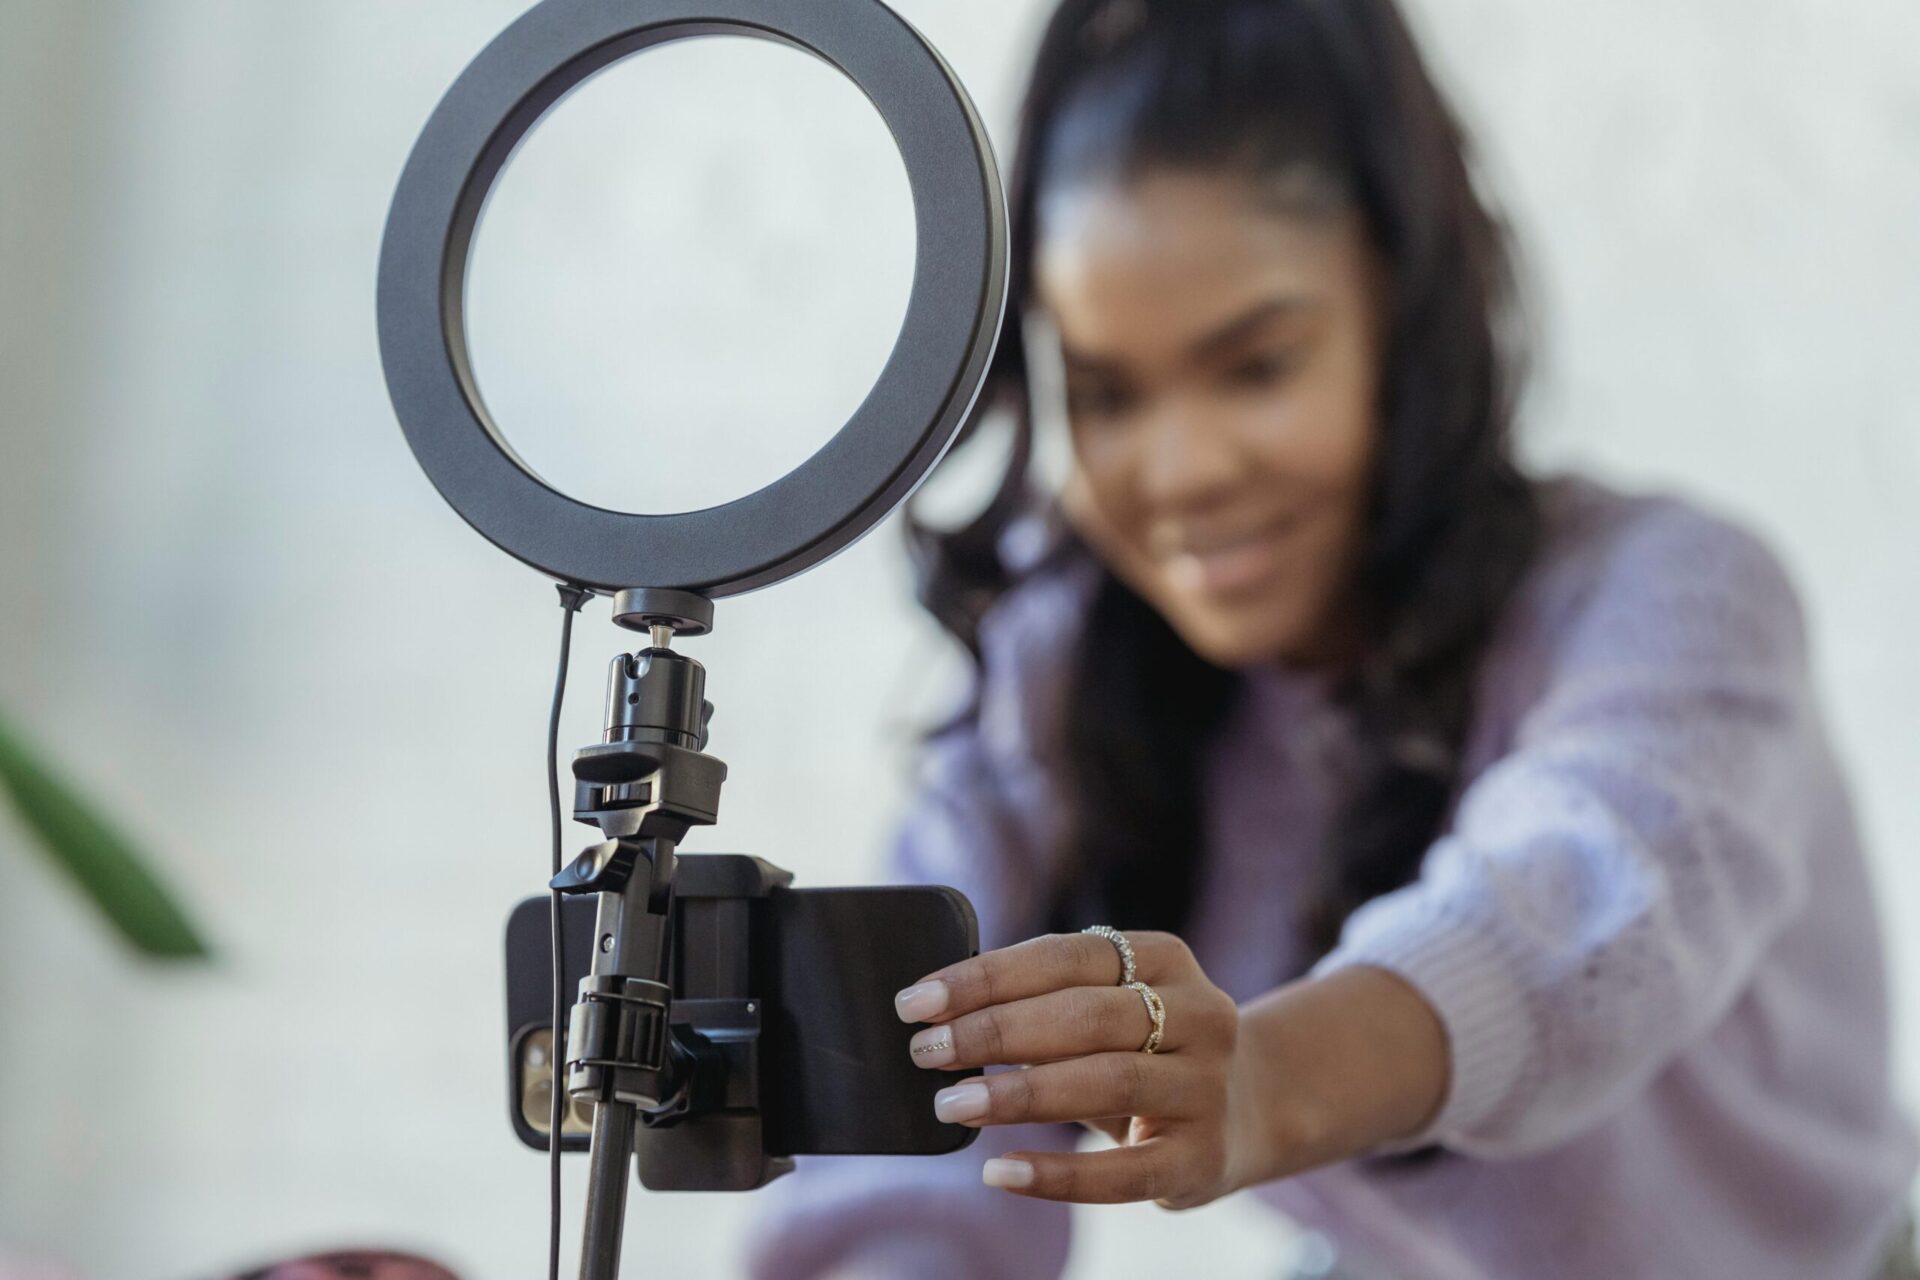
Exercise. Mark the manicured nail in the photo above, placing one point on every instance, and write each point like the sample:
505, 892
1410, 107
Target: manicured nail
933, 1047
962, 1102
922, 1001
1002, 1172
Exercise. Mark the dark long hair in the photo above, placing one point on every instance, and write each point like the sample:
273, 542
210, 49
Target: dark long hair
1267, 89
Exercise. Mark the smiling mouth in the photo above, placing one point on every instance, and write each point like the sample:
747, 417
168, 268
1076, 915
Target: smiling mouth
1226, 566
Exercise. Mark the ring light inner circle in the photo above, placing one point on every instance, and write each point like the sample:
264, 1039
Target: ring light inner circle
690, 274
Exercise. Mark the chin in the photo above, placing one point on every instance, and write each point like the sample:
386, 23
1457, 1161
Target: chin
1237, 643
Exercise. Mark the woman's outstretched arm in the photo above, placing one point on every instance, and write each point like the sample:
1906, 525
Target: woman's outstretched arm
1601, 900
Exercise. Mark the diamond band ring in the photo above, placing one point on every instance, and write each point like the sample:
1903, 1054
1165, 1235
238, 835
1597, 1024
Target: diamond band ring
1120, 944
1157, 1010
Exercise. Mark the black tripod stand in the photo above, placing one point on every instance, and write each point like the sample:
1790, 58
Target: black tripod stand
730, 1022
646, 785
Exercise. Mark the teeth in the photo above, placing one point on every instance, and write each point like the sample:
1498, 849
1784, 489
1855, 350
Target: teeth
1228, 567
1188, 572
1170, 545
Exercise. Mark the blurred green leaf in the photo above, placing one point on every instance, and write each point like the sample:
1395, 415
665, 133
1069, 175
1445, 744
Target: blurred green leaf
107, 869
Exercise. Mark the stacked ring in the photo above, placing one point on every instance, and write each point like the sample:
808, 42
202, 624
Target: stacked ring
1156, 1007
1157, 1010
1120, 943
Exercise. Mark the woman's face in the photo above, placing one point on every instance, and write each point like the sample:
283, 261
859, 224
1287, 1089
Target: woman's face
1221, 369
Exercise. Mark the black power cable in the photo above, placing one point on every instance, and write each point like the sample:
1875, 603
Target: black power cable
571, 598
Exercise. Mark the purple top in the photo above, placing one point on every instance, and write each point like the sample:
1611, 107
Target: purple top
1647, 930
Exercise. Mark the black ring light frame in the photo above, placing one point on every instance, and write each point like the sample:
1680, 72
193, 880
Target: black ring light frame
883, 451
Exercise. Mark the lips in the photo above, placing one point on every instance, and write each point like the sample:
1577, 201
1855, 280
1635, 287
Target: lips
1224, 564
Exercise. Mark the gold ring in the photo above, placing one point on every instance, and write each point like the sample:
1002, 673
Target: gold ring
1157, 1010
1120, 944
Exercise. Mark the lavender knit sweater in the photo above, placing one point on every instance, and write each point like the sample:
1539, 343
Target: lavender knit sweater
1646, 928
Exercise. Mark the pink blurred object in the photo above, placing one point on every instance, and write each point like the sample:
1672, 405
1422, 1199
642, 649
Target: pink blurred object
349, 1264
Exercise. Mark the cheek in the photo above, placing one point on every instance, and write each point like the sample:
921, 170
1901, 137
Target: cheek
1102, 495
1326, 463
1319, 438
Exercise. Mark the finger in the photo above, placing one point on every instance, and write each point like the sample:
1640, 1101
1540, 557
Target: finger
1044, 1028
1034, 967
1118, 1175
1095, 1087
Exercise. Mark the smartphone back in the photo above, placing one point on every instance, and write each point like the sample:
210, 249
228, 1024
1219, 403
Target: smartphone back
821, 966
842, 1080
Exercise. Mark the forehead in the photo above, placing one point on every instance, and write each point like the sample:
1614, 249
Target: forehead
1147, 265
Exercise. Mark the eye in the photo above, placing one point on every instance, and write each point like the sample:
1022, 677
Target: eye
1261, 371
1097, 399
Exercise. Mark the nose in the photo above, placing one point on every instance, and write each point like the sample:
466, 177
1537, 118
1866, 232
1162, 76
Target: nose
1189, 457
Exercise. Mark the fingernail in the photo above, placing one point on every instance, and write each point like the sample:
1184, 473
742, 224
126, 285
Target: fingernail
962, 1102
922, 1001
1002, 1172
933, 1047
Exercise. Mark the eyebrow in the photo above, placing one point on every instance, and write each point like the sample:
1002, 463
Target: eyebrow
1221, 336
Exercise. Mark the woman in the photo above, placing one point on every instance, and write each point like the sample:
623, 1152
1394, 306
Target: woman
1497, 902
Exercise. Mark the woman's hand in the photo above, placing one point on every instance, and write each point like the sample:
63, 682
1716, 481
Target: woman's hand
1180, 1113
1316, 1071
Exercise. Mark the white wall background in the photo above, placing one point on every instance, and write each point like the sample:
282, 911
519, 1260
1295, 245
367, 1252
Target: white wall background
230, 600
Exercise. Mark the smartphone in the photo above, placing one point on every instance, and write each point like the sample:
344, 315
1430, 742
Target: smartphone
817, 968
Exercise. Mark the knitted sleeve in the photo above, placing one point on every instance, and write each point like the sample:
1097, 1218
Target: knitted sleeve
1606, 887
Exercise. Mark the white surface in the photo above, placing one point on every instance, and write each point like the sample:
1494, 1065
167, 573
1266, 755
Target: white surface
232, 598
